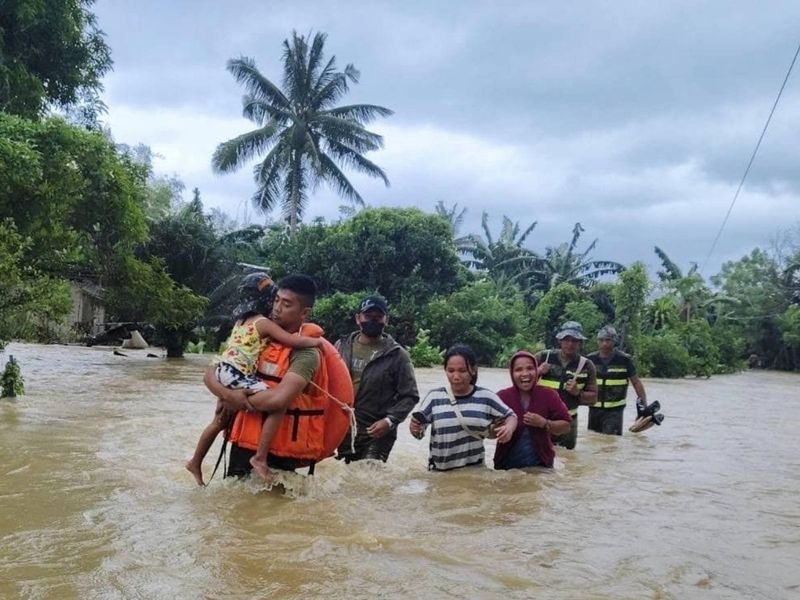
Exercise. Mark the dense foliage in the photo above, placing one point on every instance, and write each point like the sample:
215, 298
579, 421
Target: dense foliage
51, 54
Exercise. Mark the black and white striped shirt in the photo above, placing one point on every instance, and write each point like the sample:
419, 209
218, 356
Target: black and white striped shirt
452, 447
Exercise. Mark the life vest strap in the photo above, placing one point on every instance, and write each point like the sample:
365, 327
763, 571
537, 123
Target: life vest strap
296, 413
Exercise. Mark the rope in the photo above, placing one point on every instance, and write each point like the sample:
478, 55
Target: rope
349, 410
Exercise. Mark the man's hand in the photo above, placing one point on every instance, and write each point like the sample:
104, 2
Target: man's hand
235, 400
543, 369
532, 419
572, 388
378, 429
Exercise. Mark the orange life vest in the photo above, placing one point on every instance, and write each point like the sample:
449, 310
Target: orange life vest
314, 424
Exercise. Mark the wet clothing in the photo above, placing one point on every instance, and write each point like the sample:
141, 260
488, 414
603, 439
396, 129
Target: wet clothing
613, 375
606, 420
386, 388
303, 362
556, 379
234, 379
243, 347
452, 447
530, 446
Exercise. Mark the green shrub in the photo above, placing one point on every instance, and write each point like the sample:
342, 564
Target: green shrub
423, 353
478, 315
518, 342
335, 313
663, 355
11, 381
701, 346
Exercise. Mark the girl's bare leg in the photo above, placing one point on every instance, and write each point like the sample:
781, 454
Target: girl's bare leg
210, 433
259, 460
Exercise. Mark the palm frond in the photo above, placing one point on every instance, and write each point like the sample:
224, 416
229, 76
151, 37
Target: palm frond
355, 160
269, 176
232, 154
347, 132
485, 226
315, 58
525, 233
334, 176
352, 73
671, 270
295, 69
576, 234
245, 72
361, 113
330, 92
258, 110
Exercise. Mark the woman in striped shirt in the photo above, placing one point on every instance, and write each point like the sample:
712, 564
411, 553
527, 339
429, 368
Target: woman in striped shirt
461, 415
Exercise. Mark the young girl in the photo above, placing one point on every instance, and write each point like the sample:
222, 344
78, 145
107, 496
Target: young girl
461, 415
236, 366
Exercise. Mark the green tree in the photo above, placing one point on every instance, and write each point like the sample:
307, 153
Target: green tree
455, 218
72, 194
191, 251
663, 355
163, 192
305, 135
565, 264
790, 334
504, 256
759, 297
629, 301
477, 315
689, 291
699, 342
549, 312
589, 316
51, 54
335, 313
398, 252
30, 303
423, 353
146, 293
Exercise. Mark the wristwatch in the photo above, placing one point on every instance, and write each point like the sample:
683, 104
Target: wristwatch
391, 423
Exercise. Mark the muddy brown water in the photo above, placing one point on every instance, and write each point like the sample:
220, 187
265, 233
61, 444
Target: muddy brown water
95, 503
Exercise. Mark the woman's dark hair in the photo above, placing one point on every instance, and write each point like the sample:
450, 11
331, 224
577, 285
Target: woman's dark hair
468, 354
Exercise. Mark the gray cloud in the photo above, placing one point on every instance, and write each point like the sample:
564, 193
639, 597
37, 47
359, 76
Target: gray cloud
635, 118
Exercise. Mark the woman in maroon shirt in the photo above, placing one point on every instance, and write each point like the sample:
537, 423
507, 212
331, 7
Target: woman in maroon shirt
541, 414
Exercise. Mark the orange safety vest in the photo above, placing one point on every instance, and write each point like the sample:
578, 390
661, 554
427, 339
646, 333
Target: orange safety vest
314, 425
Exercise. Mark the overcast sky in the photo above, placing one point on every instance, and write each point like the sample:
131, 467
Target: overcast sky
635, 118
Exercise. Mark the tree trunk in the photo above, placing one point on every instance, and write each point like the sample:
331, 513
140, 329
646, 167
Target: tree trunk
293, 212
173, 341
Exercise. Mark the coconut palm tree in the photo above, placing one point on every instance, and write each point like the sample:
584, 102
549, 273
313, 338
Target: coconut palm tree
305, 136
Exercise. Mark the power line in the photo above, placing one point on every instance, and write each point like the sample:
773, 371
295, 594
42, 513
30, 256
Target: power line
750, 163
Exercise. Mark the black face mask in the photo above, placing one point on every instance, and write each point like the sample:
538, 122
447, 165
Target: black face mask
372, 329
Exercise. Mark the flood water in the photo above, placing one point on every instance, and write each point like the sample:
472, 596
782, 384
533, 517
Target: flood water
95, 503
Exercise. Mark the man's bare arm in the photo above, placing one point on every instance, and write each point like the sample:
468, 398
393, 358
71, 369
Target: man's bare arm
639, 388
279, 397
